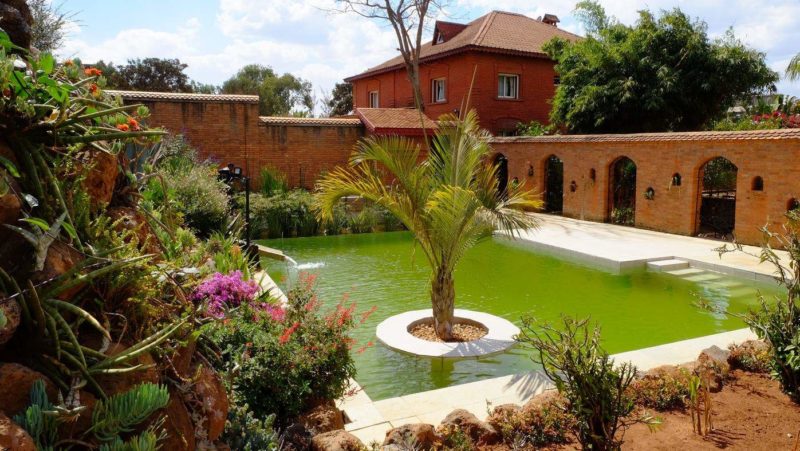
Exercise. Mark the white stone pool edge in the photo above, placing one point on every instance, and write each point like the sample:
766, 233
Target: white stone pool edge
370, 420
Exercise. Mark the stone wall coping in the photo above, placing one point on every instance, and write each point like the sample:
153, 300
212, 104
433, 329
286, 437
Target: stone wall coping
745, 135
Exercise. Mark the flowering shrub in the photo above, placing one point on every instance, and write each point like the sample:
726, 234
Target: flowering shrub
283, 361
222, 291
778, 119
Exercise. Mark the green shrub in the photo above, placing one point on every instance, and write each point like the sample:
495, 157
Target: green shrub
753, 356
777, 321
273, 181
537, 425
662, 390
246, 432
183, 184
282, 363
586, 376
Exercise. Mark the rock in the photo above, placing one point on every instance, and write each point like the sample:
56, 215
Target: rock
15, 388
214, 399
9, 320
713, 365
413, 436
667, 371
548, 397
324, 417
16, 20
503, 414
61, 257
481, 433
100, 175
177, 425
182, 358
10, 204
336, 441
13, 437
121, 383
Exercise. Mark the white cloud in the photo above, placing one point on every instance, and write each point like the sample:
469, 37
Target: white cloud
306, 39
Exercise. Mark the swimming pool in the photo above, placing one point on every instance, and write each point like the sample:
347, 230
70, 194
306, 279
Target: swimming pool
508, 279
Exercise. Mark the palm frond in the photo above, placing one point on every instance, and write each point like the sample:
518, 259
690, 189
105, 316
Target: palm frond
793, 70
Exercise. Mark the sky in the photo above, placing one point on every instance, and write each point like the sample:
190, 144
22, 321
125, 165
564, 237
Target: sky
217, 37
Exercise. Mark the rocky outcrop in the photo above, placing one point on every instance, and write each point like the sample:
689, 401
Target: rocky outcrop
481, 433
15, 388
177, 425
214, 399
712, 365
324, 417
100, 175
16, 20
336, 441
413, 436
13, 437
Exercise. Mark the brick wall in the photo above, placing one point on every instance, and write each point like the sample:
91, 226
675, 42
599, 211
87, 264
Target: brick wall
231, 132
497, 115
674, 209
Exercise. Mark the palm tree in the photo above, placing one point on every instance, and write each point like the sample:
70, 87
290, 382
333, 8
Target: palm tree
449, 201
793, 71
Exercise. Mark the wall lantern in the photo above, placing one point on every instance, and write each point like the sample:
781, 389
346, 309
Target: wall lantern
530, 170
573, 186
649, 193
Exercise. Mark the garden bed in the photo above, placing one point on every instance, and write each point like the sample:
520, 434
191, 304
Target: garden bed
462, 332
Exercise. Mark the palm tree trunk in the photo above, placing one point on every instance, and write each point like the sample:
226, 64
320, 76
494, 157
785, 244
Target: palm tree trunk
443, 296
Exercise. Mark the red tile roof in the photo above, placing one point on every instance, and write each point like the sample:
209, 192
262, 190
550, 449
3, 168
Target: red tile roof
785, 133
183, 96
397, 121
497, 32
311, 121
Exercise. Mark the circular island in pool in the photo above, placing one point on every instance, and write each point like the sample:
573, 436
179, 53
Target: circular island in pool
395, 333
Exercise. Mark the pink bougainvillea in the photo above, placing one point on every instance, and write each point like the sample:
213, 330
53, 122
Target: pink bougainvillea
223, 291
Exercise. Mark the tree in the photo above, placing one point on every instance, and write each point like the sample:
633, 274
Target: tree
149, 74
49, 23
662, 74
340, 101
449, 202
278, 95
793, 71
407, 18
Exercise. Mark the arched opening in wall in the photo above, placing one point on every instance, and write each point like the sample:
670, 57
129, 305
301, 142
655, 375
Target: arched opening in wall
793, 205
501, 168
758, 183
553, 185
717, 213
622, 192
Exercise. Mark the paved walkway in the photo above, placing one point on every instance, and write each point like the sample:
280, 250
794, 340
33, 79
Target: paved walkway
612, 247
619, 248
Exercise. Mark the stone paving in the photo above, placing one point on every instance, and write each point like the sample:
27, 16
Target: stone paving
608, 246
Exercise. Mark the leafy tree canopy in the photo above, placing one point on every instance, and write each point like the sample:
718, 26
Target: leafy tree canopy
279, 95
661, 74
149, 74
340, 102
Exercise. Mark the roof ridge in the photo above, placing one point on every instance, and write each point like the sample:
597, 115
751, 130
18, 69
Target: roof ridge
487, 22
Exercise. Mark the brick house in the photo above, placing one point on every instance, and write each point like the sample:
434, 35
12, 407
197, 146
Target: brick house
514, 78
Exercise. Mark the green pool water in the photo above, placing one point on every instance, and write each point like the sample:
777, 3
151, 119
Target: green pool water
635, 310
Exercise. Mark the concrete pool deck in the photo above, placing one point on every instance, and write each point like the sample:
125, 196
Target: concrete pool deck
619, 248
611, 247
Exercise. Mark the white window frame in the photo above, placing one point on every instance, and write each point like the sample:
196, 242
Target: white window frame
501, 86
376, 103
443, 98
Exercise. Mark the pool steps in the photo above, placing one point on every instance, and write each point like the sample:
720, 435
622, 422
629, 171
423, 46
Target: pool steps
667, 265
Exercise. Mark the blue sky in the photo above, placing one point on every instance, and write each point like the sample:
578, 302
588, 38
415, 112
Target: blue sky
216, 37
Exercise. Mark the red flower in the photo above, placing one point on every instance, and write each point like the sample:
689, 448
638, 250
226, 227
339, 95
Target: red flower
68, 63
134, 124
93, 88
92, 72
7, 92
288, 333
123, 127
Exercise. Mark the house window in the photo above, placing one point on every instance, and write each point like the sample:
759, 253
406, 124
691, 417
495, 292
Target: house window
373, 99
438, 90
508, 86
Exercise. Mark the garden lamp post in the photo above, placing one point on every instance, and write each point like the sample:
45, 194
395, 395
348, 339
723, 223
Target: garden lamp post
232, 173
